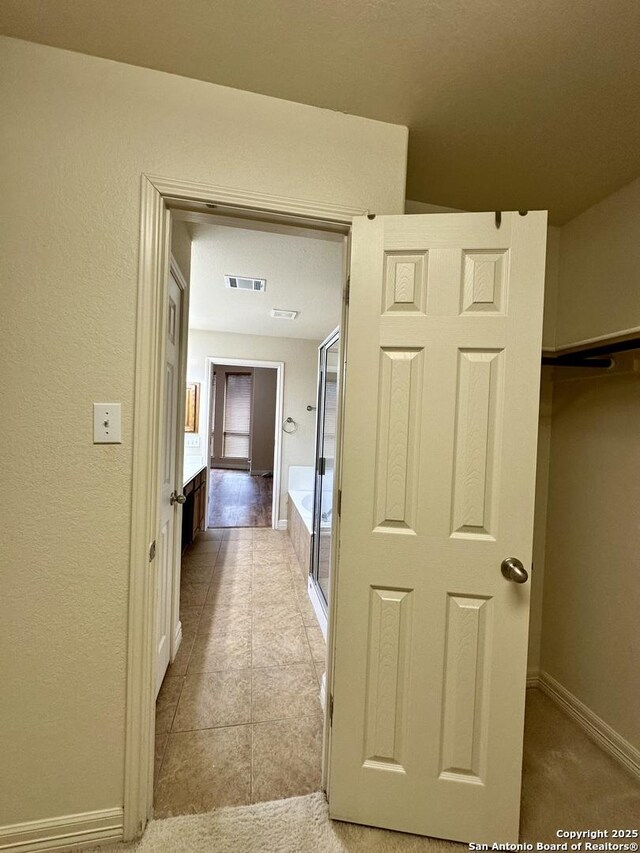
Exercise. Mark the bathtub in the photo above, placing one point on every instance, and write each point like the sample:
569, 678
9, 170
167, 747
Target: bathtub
300, 525
303, 502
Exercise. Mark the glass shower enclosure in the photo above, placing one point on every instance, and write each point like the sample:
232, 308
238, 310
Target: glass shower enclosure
327, 412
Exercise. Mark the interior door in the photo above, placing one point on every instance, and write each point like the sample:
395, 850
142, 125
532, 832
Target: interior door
170, 483
439, 452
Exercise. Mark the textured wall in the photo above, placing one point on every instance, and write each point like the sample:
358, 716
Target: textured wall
80, 133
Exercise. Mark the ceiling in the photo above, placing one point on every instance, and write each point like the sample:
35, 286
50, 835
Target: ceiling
510, 103
304, 273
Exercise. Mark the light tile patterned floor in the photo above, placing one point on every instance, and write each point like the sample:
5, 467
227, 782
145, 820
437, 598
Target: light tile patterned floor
238, 717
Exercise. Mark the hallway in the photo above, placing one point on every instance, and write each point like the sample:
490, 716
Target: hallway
238, 717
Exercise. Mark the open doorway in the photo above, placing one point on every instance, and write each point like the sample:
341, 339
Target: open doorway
239, 717
242, 434
388, 289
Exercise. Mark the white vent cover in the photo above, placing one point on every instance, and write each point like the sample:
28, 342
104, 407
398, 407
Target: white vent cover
283, 314
241, 282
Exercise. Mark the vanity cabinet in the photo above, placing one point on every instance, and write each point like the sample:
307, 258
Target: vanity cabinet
193, 509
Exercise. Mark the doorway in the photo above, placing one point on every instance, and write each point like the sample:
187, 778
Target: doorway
239, 718
390, 266
246, 395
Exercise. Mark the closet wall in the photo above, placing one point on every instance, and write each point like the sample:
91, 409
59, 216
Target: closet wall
590, 638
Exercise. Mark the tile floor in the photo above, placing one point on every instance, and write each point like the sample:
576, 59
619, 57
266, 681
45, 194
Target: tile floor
238, 717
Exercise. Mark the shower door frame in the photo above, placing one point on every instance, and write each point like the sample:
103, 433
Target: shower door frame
321, 603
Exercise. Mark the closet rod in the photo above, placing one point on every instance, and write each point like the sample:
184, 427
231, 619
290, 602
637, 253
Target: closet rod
596, 356
577, 361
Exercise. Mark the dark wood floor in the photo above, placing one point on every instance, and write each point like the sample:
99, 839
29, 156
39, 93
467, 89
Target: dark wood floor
236, 499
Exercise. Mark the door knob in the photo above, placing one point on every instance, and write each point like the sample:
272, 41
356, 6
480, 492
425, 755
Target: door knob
513, 570
175, 498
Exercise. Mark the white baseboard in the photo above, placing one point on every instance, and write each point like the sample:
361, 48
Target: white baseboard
282, 524
63, 833
595, 727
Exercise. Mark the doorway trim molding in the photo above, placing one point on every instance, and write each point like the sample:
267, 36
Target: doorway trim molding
278, 366
157, 195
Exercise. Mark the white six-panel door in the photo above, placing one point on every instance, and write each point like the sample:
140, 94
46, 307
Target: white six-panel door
439, 451
169, 515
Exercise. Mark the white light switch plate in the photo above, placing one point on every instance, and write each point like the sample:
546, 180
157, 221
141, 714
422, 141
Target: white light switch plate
107, 427
192, 440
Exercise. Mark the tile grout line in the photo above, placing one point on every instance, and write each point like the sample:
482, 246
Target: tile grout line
250, 724
183, 677
279, 559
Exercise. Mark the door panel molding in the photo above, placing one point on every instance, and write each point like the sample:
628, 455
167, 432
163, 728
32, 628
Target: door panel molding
399, 427
386, 740
466, 673
440, 434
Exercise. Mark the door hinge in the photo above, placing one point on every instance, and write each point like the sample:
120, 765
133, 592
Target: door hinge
347, 290
321, 467
339, 507
152, 551
330, 709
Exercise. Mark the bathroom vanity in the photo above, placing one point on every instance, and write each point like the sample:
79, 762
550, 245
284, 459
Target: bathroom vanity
195, 491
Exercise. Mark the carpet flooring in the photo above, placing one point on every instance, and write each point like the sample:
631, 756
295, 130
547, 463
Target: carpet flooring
568, 783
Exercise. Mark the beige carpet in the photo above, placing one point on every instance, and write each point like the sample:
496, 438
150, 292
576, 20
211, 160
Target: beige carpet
568, 782
296, 825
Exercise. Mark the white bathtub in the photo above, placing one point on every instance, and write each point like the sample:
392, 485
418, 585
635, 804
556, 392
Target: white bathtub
304, 504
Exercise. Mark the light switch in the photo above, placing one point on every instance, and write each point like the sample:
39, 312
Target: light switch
107, 423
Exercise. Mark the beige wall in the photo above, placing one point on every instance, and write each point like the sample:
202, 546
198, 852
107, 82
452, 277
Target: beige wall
181, 246
79, 133
590, 638
552, 272
600, 260
540, 523
544, 443
263, 419
300, 359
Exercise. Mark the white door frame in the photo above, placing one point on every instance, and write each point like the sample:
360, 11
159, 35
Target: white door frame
278, 366
176, 624
157, 193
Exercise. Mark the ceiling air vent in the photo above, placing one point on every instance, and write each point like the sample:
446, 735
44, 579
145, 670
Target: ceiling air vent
282, 314
241, 282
